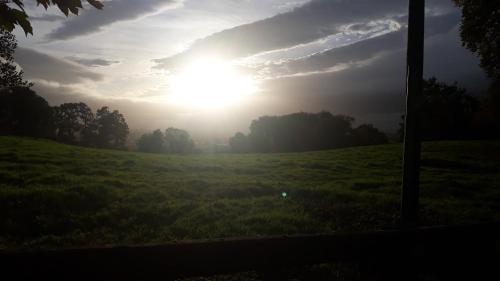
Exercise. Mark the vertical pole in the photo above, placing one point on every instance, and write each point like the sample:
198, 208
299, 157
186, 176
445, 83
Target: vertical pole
414, 76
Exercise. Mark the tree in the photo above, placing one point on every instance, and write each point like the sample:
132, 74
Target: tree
71, 119
178, 141
447, 112
10, 76
300, 132
480, 32
24, 113
367, 134
239, 143
108, 130
152, 143
10, 16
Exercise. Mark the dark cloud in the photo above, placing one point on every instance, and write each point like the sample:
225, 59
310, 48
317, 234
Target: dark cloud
47, 17
360, 51
93, 62
92, 20
346, 55
37, 65
312, 21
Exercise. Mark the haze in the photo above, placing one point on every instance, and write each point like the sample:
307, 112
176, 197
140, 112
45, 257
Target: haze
211, 67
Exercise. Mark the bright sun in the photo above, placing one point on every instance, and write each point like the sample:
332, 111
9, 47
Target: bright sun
209, 83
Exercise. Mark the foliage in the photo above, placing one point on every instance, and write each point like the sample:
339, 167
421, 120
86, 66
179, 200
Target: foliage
174, 141
300, 132
239, 143
55, 195
304, 132
367, 134
446, 112
107, 130
178, 141
10, 76
480, 32
152, 143
71, 119
24, 113
11, 16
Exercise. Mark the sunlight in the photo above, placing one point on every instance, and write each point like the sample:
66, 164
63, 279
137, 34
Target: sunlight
209, 83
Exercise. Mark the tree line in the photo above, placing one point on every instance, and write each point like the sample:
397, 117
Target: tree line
304, 132
448, 112
173, 141
24, 113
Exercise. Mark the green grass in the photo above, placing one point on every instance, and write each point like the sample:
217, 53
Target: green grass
54, 195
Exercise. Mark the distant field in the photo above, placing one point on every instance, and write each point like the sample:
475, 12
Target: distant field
54, 195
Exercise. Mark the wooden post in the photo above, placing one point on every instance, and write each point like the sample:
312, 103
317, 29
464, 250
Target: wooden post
414, 76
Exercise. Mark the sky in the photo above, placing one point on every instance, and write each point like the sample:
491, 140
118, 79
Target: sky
211, 67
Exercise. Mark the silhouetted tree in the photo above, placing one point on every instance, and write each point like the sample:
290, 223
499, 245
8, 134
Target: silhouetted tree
178, 141
152, 143
71, 119
239, 143
367, 134
10, 75
480, 32
261, 135
446, 112
24, 113
10, 16
300, 132
108, 130
334, 131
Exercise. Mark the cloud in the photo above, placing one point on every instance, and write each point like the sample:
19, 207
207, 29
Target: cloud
359, 52
37, 65
92, 62
312, 21
92, 20
47, 17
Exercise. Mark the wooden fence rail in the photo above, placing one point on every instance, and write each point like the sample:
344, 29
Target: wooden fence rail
424, 246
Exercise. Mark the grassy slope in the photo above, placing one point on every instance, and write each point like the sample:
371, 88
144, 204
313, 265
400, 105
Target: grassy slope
58, 195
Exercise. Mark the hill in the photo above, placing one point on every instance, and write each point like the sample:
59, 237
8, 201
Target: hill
54, 195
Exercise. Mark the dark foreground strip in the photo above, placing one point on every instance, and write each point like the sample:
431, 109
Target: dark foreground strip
421, 247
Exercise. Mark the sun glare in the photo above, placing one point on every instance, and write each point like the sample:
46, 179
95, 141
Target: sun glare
210, 83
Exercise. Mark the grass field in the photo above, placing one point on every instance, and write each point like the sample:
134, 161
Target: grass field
54, 195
